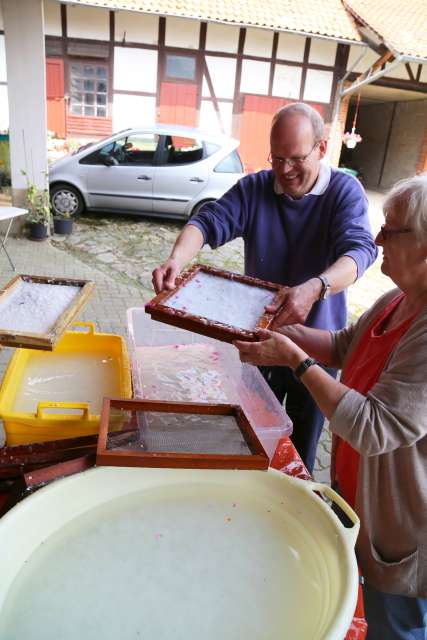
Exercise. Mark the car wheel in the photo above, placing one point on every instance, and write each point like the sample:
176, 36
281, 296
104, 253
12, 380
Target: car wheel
65, 198
198, 206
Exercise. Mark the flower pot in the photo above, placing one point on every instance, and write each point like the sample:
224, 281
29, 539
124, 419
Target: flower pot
64, 226
38, 231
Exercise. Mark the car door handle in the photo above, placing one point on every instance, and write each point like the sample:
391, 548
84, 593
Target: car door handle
196, 179
144, 177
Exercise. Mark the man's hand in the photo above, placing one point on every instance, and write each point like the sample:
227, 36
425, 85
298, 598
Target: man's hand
293, 304
165, 275
187, 245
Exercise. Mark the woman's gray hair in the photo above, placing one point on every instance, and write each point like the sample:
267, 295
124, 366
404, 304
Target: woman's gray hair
302, 109
410, 196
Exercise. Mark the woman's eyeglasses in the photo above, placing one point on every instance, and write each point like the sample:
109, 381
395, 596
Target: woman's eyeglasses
389, 233
276, 161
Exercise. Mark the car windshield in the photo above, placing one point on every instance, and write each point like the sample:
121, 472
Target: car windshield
82, 148
93, 142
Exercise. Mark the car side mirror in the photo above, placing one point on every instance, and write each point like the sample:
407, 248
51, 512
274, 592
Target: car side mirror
109, 161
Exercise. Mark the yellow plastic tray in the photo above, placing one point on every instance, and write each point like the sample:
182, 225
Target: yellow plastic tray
71, 418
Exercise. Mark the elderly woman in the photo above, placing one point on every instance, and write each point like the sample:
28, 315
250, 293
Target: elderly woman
379, 412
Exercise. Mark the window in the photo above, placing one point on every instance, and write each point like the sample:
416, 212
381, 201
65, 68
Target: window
88, 89
179, 150
133, 150
230, 164
180, 67
211, 148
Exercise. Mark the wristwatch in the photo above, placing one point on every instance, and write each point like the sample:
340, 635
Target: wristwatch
326, 287
303, 366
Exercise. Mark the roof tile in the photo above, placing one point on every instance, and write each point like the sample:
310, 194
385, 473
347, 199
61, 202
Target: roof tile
327, 18
402, 24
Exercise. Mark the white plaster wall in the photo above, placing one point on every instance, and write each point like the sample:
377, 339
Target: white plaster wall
223, 74
88, 22
133, 111
52, 18
3, 74
401, 72
135, 69
423, 77
208, 119
322, 52
258, 42
136, 27
287, 81
255, 76
220, 37
369, 57
182, 33
1, 18
291, 47
4, 108
318, 85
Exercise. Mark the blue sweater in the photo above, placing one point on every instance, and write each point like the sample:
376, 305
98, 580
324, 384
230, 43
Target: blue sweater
290, 241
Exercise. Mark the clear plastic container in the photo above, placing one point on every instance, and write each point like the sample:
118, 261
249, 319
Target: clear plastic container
173, 364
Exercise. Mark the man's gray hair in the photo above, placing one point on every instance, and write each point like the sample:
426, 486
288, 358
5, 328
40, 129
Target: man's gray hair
302, 109
410, 196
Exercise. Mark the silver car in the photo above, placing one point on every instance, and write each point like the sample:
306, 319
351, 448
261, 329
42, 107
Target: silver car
163, 170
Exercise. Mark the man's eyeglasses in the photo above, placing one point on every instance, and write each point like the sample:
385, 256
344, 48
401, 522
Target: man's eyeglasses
389, 233
276, 161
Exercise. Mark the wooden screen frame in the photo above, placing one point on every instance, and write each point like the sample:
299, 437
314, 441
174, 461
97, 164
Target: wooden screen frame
45, 341
258, 458
218, 330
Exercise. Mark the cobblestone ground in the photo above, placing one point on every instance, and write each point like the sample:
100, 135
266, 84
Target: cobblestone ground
127, 249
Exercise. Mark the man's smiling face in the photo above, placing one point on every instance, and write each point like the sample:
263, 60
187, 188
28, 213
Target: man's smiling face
292, 138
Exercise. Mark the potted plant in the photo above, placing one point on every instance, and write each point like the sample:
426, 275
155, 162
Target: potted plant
39, 214
63, 223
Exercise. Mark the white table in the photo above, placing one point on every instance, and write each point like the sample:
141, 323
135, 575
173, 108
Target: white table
9, 213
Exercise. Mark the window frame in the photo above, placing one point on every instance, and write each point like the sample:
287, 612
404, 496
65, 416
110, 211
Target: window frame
97, 152
162, 149
94, 63
181, 53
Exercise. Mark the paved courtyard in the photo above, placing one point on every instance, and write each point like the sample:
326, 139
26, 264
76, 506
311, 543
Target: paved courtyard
119, 254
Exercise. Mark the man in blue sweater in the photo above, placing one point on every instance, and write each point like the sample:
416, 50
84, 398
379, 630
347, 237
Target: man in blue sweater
305, 226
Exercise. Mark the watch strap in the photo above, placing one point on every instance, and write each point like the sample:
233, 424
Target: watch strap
325, 287
303, 366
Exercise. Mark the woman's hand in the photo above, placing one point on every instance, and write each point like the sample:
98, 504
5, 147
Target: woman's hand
273, 349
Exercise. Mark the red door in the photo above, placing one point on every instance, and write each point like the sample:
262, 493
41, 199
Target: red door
55, 96
178, 103
255, 124
255, 127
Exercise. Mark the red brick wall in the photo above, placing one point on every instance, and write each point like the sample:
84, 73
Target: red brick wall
335, 138
422, 157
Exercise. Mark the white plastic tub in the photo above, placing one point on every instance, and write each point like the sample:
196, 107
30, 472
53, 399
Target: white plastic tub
177, 554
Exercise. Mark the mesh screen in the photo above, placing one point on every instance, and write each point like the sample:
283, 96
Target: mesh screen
177, 433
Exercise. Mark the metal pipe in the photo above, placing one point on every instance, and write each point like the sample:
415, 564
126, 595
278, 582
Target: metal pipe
372, 78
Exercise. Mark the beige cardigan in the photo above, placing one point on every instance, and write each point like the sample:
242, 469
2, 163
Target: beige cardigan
389, 429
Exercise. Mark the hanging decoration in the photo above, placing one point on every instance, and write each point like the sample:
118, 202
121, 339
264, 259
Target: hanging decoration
351, 139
